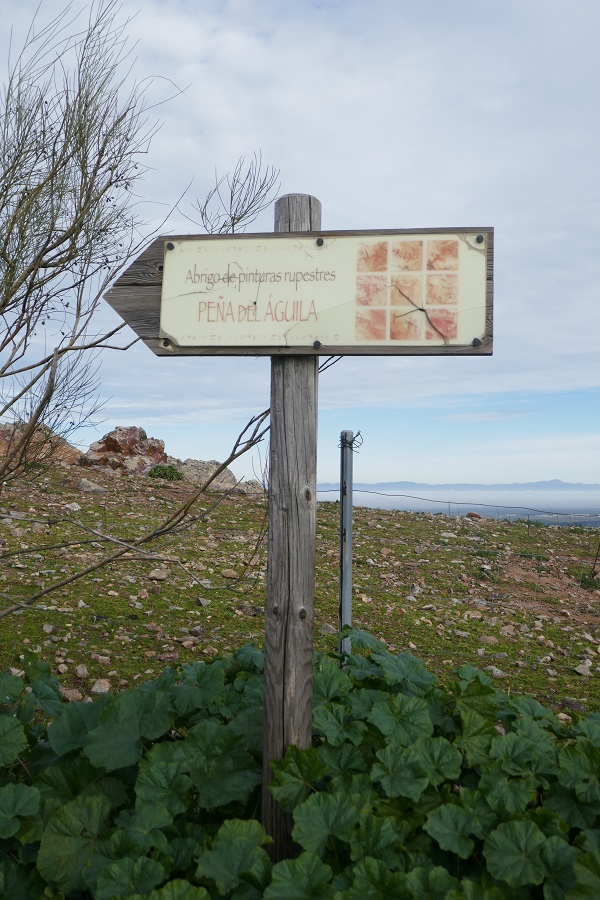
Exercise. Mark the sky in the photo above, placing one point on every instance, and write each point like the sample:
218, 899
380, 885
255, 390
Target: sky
394, 114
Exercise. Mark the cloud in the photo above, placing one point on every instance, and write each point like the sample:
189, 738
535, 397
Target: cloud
393, 115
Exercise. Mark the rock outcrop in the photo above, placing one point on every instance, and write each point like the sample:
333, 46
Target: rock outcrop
126, 449
44, 445
198, 471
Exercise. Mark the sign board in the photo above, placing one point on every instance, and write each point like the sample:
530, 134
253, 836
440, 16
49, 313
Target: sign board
349, 293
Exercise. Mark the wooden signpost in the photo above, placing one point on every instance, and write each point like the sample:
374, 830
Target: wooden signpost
294, 295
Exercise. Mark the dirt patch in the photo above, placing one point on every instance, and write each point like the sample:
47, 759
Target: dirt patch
545, 588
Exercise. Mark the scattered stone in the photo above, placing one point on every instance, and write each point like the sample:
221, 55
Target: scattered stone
495, 672
203, 601
205, 583
229, 573
72, 507
196, 631
91, 487
158, 575
564, 718
488, 639
584, 669
189, 644
81, 671
463, 634
71, 694
326, 628
473, 515
39, 528
47, 629
62, 669
211, 651
507, 629
81, 604
101, 686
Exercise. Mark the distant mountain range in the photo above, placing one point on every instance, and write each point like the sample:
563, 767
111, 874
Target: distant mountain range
411, 486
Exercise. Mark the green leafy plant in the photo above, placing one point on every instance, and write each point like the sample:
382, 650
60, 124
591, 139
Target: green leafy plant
168, 473
409, 789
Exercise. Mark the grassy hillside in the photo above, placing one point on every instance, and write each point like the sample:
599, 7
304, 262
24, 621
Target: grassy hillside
515, 599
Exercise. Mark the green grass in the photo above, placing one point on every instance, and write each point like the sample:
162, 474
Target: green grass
413, 586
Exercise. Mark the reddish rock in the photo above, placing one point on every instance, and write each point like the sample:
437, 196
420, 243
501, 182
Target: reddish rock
44, 445
126, 449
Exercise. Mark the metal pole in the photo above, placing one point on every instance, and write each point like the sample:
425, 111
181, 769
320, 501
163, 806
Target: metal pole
345, 616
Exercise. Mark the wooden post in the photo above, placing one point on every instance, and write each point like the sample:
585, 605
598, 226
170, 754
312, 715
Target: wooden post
291, 550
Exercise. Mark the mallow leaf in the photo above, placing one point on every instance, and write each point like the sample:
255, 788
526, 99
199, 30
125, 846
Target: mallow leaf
16, 800
296, 776
236, 856
303, 878
12, 740
512, 853
69, 839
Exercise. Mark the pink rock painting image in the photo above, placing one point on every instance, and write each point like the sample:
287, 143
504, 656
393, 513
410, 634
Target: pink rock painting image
371, 290
407, 326
408, 255
442, 290
371, 325
441, 325
372, 257
442, 255
407, 290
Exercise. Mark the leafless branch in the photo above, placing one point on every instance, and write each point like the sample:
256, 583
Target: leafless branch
73, 137
238, 197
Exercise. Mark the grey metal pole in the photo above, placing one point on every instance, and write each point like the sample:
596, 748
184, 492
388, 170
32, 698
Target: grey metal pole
345, 615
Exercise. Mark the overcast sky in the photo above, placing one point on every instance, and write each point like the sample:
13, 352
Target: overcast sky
395, 114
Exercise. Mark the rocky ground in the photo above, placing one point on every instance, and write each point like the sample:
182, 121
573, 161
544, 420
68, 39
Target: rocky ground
519, 600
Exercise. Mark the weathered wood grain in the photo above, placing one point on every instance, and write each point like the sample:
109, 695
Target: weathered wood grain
291, 554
